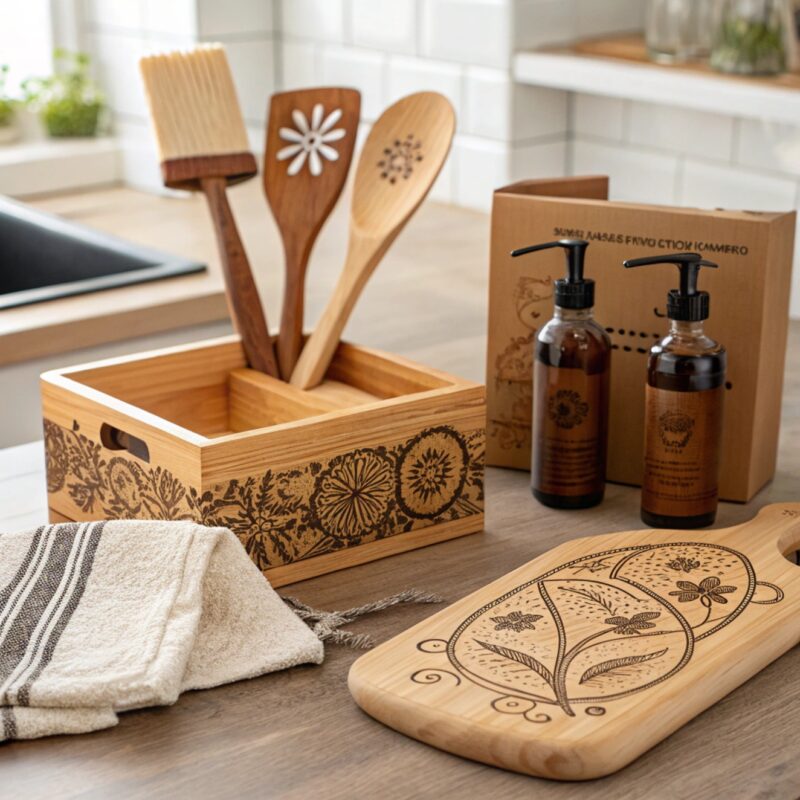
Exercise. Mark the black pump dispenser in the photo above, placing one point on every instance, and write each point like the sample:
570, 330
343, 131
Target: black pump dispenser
686, 304
574, 291
571, 371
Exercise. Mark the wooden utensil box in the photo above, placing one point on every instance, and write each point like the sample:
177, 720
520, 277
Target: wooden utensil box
384, 456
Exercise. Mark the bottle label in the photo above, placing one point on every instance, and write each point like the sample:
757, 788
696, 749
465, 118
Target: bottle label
570, 417
681, 461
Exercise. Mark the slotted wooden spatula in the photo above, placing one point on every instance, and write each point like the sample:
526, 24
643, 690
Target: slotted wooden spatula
402, 156
581, 660
310, 139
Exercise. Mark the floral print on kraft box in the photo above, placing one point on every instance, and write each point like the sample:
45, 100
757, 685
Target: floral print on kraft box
284, 516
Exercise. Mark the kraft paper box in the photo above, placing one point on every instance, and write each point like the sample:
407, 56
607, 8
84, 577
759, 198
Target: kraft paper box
749, 315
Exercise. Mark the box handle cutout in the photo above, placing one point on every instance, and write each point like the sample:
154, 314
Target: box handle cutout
115, 439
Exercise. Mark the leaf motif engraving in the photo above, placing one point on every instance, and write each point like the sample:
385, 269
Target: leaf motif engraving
605, 668
592, 596
521, 658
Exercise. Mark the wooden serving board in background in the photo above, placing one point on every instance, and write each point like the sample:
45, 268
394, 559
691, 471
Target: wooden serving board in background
581, 660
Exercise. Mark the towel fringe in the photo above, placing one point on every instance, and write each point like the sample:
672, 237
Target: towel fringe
326, 624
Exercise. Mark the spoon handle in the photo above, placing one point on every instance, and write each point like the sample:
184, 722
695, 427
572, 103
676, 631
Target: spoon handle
362, 256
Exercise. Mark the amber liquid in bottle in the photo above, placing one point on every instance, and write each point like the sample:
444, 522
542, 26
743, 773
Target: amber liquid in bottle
572, 358
683, 426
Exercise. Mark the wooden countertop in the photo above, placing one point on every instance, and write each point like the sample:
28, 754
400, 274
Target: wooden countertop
444, 246
297, 734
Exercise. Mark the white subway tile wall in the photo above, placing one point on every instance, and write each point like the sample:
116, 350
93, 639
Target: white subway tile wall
253, 67
462, 48
539, 112
596, 116
116, 55
216, 18
363, 69
389, 26
322, 20
479, 163
709, 185
637, 175
170, 17
115, 14
467, 31
543, 22
660, 154
299, 64
769, 145
488, 103
681, 130
408, 75
119, 32
593, 18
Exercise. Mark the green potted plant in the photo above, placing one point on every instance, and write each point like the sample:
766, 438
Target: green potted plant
750, 38
68, 101
8, 130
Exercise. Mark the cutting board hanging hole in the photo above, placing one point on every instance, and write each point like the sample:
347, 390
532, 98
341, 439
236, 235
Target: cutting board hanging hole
789, 542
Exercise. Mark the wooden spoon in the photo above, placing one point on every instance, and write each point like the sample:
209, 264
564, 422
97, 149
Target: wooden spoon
402, 156
310, 139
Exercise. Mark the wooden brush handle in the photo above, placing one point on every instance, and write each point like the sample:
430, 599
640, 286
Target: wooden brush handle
245, 304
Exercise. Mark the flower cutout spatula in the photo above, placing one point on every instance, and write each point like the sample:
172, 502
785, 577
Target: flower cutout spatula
310, 139
401, 159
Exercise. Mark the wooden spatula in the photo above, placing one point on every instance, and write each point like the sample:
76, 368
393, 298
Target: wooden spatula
202, 143
581, 660
402, 156
310, 139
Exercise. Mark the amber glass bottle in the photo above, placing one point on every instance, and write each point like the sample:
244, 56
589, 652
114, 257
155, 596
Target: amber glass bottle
572, 359
683, 408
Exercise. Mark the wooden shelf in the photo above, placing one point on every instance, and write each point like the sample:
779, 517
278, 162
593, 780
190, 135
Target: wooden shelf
619, 67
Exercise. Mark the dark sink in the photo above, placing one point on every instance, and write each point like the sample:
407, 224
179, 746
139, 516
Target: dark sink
43, 257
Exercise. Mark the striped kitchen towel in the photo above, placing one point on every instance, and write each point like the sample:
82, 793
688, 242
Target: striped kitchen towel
102, 617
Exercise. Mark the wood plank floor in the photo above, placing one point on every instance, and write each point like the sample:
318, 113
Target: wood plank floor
297, 734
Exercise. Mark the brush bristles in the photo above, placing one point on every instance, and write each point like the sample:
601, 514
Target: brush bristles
193, 104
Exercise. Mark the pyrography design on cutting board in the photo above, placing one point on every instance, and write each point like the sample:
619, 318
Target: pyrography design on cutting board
596, 629
311, 140
399, 158
284, 516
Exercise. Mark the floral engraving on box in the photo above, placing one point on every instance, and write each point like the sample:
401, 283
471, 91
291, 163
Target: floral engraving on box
559, 643
284, 516
354, 494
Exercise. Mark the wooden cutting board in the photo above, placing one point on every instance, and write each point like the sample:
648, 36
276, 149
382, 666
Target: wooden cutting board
581, 660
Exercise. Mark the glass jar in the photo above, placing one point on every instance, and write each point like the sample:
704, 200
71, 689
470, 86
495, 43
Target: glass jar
749, 37
678, 30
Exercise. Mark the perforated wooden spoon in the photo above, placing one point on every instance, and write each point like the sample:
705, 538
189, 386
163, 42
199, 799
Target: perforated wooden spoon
310, 139
402, 156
